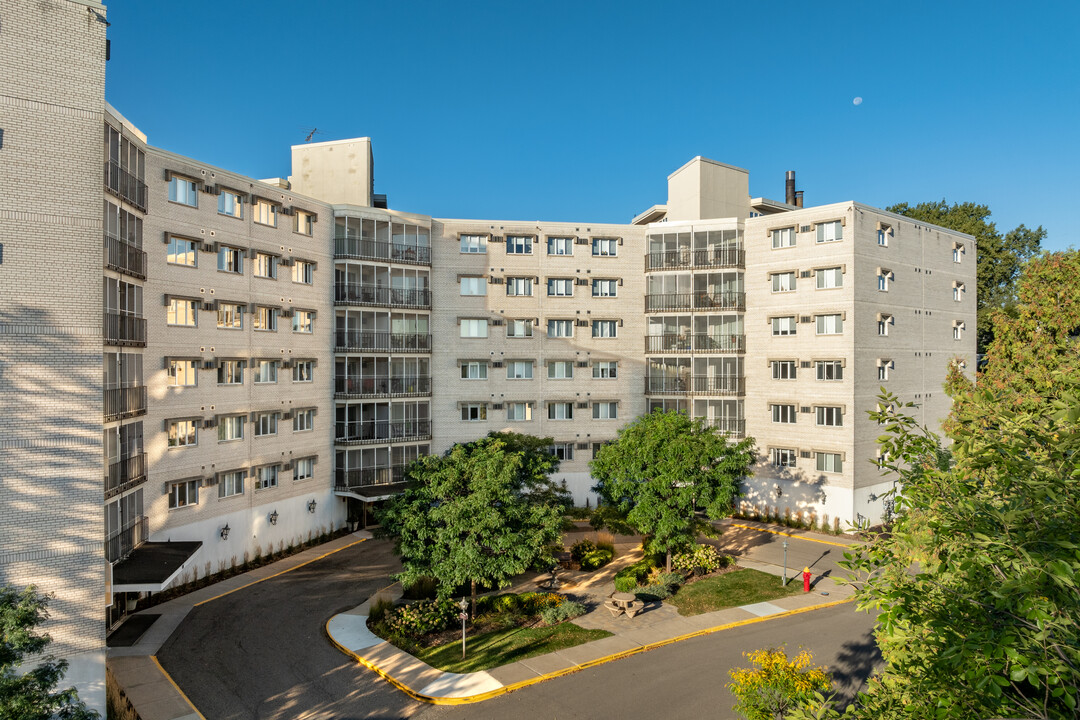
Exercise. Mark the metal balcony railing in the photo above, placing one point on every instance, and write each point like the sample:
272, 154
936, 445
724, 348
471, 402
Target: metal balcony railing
360, 386
125, 185
702, 300
695, 385
361, 432
360, 340
120, 403
697, 342
123, 329
124, 257
357, 294
367, 477
686, 258
127, 538
125, 474
351, 248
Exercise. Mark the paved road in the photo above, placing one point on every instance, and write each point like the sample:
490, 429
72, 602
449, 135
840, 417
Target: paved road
261, 653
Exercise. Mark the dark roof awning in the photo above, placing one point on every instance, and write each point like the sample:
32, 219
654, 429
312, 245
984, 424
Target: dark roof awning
152, 566
371, 493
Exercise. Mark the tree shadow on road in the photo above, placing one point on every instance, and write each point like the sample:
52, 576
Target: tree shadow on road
856, 662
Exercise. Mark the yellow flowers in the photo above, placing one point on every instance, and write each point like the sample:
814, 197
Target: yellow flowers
777, 684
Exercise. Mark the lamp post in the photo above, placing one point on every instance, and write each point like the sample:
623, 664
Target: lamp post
463, 605
783, 581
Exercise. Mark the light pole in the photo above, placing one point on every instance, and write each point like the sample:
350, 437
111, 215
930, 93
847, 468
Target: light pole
783, 580
463, 605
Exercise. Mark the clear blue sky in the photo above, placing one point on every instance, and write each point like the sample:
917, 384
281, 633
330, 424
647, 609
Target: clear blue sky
579, 110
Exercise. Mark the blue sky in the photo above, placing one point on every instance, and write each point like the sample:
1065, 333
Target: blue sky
579, 110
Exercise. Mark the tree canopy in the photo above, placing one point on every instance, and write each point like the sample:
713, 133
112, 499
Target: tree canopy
661, 468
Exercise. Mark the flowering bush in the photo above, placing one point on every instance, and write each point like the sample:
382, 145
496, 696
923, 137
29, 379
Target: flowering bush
702, 558
777, 685
420, 618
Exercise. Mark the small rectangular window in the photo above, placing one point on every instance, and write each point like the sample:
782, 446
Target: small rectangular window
474, 370
519, 245
183, 494
473, 328
829, 462
266, 266
266, 424
182, 373
560, 328
830, 324
231, 204
183, 191
560, 246
303, 420
230, 372
474, 412
782, 413
230, 316
182, 312
829, 278
605, 247
474, 244
560, 287
518, 412
230, 428
560, 369
783, 457
783, 325
519, 370
183, 433
783, 282
782, 369
230, 260
605, 410
231, 483
519, 286
829, 369
473, 286
561, 411
265, 318
265, 212
605, 288
303, 321
830, 231
265, 371
302, 371
883, 323
303, 272
305, 223
605, 370
182, 252
304, 469
605, 328
829, 416
563, 451
519, 328
783, 238
267, 477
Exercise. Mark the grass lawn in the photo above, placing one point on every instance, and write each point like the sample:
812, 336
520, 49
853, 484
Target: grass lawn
741, 587
501, 647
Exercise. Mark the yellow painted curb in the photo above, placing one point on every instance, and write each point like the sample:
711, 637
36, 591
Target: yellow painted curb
797, 537
269, 577
566, 671
177, 687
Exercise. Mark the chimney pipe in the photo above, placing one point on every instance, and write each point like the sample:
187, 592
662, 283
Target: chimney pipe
789, 188
798, 198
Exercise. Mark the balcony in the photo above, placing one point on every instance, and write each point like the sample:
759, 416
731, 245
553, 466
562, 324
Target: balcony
682, 259
125, 474
345, 480
124, 185
366, 340
712, 385
351, 248
368, 295
698, 343
363, 432
733, 427
126, 539
121, 403
358, 386
124, 329
125, 258
668, 302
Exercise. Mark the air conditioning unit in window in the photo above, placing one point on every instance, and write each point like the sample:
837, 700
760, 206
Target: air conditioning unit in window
497, 364
497, 406
209, 481
805, 274
583, 405
495, 281
286, 364
285, 210
287, 467
805, 454
583, 446
210, 247
804, 364
209, 305
496, 323
806, 319
581, 241
287, 415
805, 409
806, 228
583, 363
210, 189
209, 423
581, 281
287, 313
582, 323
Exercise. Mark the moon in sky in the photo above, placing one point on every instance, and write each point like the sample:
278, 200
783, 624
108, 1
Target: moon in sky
857, 101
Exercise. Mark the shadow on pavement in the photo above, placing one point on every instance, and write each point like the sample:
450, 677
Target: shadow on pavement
856, 662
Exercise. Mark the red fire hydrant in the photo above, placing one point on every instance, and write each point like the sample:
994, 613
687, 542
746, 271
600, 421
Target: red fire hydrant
806, 579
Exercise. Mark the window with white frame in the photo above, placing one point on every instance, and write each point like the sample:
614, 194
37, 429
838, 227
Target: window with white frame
230, 372
783, 325
304, 469
303, 321
230, 316
265, 371
519, 245
265, 318
563, 451
783, 282
560, 287
605, 370
231, 483
231, 204
182, 312
265, 212
183, 494
560, 328
560, 369
782, 369
883, 278
783, 457
519, 286
230, 427
473, 286
474, 328
474, 244
829, 462
230, 260
303, 420
832, 324
784, 237
958, 330
183, 433
605, 288
474, 370
519, 328
267, 477
605, 410
474, 412
605, 247
958, 290
883, 234
303, 272
957, 252
302, 371
830, 231
265, 266
829, 416
605, 328
560, 245
182, 251
883, 367
519, 412
183, 191
305, 223
182, 373
883, 323
519, 370
829, 369
561, 411
782, 413
266, 424
828, 278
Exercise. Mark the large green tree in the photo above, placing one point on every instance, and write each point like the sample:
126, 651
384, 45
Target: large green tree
663, 467
467, 518
1000, 257
31, 695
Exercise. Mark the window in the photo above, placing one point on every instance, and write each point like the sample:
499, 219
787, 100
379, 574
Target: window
958, 330
782, 457
783, 282
829, 278
605, 246
182, 373
230, 372
265, 212
302, 370
560, 328
519, 328
519, 412
883, 323
957, 252
231, 483
560, 287
474, 370
182, 312
519, 245
519, 286
605, 328
230, 427
230, 259
230, 316
561, 411
182, 252
830, 324
473, 286
782, 413
829, 416
783, 238
303, 321
266, 266
474, 412
303, 272
560, 369
266, 477
782, 369
883, 277
605, 370
605, 410
958, 290
560, 246
883, 367
472, 328
605, 288
183, 494
474, 244
183, 191
783, 325
266, 424
883, 234
305, 222
829, 369
265, 371
563, 451
829, 462
265, 318
304, 469
183, 433
303, 420
230, 203
830, 231
519, 370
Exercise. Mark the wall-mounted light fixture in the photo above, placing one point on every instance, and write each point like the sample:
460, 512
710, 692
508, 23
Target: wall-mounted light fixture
273, 518
311, 507
225, 532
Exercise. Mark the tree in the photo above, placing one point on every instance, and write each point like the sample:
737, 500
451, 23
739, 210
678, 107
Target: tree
31, 696
466, 518
664, 466
1000, 257
776, 685
538, 463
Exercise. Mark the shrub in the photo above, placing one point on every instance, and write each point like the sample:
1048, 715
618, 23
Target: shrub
378, 609
627, 579
533, 603
596, 559
420, 618
670, 580
651, 593
423, 589
578, 513
581, 548
560, 613
701, 558
507, 603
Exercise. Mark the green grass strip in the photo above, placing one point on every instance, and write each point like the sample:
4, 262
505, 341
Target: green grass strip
742, 587
503, 647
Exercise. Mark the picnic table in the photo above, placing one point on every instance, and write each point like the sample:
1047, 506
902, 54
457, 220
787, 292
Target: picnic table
623, 602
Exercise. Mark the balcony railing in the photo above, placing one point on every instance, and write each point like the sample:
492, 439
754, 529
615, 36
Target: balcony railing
347, 248
124, 257
125, 474
359, 386
120, 403
361, 432
714, 258
735, 427
360, 340
125, 185
698, 342
696, 385
666, 302
123, 329
368, 477
127, 538
357, 294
